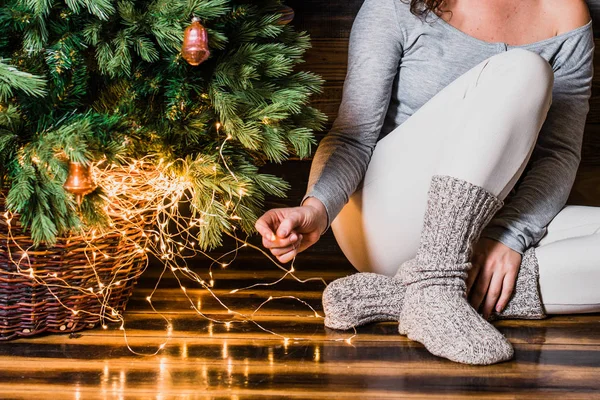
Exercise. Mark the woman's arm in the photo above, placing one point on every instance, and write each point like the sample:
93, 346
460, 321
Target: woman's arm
342, 157
544, 187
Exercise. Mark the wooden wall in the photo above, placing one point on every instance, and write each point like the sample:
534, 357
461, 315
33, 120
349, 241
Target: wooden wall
329, 23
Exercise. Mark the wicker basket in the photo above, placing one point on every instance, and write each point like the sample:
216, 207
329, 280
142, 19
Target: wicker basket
96, 262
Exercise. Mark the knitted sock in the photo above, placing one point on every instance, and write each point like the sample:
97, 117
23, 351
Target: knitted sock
367, 297
436, 312
526, 302
361, 299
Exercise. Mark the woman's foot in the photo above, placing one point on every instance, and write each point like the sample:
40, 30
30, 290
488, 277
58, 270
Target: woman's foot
362, 298
436, 312
442, 320
433, 308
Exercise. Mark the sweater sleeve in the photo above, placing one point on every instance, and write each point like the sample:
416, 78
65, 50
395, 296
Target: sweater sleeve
342, 156
544, 186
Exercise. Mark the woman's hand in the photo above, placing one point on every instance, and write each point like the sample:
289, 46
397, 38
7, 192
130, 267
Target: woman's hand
493, 276
297, 228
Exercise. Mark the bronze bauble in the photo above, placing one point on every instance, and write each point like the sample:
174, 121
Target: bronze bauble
195, 43
287, 14
79, 181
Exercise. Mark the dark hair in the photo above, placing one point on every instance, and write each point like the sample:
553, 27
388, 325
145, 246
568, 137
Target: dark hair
421, 8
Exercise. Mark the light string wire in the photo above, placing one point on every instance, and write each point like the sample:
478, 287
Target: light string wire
143, 203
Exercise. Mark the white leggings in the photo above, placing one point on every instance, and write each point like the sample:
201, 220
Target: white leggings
379, 228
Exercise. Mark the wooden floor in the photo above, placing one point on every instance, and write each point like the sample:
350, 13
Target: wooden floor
558, 357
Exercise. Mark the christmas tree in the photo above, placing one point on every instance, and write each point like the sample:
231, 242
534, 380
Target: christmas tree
102, 81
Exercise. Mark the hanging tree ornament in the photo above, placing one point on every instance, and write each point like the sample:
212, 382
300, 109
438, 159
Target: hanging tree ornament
195, 43
287, 14
79, 181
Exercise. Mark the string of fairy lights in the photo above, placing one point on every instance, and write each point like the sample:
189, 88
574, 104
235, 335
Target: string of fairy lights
145, 197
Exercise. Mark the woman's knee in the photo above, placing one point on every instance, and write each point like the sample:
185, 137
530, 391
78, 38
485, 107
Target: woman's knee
525, 74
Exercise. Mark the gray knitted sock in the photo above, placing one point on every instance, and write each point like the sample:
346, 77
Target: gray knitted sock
361, 299
366, 297
526, 302
436, 312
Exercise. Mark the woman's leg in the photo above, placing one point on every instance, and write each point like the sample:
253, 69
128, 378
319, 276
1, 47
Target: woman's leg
481, 128
569, 262
502, 115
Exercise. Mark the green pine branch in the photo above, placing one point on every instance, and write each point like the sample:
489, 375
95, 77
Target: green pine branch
11, 80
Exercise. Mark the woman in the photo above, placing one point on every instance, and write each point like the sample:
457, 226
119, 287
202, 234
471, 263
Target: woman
447, 170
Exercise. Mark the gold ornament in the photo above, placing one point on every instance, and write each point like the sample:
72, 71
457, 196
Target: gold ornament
287, 14
79, 181
195, 43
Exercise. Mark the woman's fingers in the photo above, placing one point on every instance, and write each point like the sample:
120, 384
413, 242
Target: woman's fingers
264, 225
280, 242
493, 294
508, 286
288, 255
291, 221
264, 230
277, 227
282, 250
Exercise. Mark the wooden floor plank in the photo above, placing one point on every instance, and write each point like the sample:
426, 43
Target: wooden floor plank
581, 330
250, 394
333, 377
302, 356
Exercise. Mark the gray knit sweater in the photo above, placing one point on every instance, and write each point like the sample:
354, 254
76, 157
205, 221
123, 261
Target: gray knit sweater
396, 63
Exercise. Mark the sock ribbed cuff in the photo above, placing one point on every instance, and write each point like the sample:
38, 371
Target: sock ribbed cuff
457, 211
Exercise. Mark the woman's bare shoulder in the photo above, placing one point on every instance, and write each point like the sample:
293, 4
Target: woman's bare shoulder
568, 14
